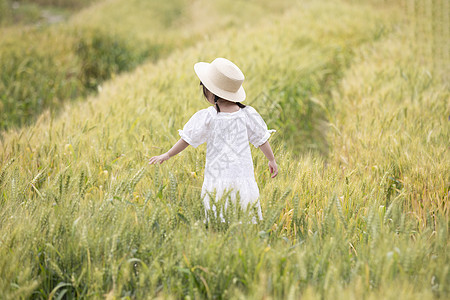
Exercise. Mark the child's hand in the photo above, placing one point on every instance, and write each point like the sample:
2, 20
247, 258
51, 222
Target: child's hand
273, 168
159, 159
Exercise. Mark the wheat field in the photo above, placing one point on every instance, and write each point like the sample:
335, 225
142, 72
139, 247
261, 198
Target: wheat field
359, 97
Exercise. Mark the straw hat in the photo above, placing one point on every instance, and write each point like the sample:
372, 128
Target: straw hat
222, 78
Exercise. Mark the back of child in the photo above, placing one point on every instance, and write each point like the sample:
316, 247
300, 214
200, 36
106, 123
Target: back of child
227, 127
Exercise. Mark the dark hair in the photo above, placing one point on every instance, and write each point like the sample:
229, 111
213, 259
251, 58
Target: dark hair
216, 98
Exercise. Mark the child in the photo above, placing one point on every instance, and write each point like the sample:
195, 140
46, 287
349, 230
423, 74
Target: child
227, 127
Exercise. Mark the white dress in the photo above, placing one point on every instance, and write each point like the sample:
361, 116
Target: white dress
229, 166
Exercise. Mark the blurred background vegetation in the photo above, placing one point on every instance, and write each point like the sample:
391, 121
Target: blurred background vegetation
52, 51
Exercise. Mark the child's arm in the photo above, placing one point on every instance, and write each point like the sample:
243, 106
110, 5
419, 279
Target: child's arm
177, 148
273, 168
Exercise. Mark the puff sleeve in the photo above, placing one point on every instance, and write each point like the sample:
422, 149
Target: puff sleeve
196, 131
257, 130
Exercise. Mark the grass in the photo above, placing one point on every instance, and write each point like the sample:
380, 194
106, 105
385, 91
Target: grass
359, 209
32, 12
53, 63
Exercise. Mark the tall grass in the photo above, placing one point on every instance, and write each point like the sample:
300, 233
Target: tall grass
44, 66
82, 215
35, 78
429, 21
62, 3
34, 11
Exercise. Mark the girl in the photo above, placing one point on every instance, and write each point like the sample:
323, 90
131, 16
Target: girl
228, 126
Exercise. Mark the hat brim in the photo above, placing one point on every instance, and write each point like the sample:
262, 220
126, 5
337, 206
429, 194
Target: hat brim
201, 69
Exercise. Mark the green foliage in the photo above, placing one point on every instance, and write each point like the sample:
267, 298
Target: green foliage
49, 65
61, 3
35, 11
35, 78
101, 55
5, 11
82, 215
31, 80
